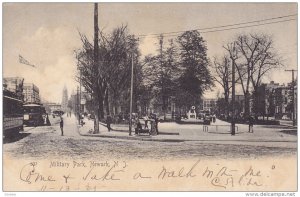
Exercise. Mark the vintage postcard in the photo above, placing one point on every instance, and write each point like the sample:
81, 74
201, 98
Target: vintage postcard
150, 97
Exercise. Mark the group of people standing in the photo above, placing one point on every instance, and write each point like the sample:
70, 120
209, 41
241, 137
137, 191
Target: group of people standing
152, 119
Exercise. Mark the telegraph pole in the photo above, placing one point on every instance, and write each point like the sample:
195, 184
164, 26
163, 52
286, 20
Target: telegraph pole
233, 100
293, 96
78, 105
96, 58
131, 96
79, 91
162, 75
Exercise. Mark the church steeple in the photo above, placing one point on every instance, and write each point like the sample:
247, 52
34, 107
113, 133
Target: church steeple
64, 103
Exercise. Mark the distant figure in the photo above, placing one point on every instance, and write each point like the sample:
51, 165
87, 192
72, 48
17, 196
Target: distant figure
44, 119
146, 121
251, 122
214, 118
138, 125
61, 124
48, 121
108, 122
154, 124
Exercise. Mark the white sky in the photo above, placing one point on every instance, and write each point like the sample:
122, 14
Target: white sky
46, 34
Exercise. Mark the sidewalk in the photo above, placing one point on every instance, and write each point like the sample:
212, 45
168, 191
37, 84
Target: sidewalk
122, 132
262, 136
288, 123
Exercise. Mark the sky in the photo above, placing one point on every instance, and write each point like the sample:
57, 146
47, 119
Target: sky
46, 34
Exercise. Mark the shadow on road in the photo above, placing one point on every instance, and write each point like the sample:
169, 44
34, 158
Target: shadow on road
275, 126
14, 138
223, 133
290, 132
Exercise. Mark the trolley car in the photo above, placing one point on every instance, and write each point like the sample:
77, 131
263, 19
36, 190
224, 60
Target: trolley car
12, 113
34, 114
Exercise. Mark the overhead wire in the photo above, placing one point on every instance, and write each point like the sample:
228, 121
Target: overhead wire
224, 27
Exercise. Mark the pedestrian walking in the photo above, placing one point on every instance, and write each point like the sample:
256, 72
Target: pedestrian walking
146, 118
108, 122
251, 123
214, 118
61, 124
156, 123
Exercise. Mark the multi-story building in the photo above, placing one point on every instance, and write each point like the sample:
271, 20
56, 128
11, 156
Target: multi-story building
208, 104
276, 100
15, 85
31, 93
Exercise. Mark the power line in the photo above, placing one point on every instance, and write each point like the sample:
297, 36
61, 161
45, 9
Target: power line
250, 26
170, 34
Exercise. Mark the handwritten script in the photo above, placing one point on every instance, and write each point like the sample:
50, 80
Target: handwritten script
92, 175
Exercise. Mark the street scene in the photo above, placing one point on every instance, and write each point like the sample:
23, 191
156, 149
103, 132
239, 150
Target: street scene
174, 142
150, 82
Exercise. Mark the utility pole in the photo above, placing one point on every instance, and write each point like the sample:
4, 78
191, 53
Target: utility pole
79, 91
293, 96
233, 100
162, 75
233, 93
131, 96
78, 106
96, 57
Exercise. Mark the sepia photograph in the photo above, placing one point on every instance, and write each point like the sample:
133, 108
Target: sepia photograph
140, 96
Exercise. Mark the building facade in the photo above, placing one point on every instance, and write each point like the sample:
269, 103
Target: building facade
209, 105
31, 93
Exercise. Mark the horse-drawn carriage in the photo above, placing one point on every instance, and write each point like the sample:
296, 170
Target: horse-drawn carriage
145, 125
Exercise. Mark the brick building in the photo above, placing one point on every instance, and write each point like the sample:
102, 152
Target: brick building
31, 93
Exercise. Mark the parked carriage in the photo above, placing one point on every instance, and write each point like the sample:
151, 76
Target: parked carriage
145, 125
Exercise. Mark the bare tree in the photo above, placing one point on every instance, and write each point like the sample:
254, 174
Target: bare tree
92, 77
222, 75
107, 80
255, 56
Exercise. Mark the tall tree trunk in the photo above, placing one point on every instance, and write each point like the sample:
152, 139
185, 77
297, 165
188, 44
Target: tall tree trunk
96, 114
226, 97
107, 103
246, 103
101, 107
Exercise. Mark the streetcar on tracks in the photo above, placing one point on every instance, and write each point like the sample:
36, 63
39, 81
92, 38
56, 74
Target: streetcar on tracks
12, 113
34, 114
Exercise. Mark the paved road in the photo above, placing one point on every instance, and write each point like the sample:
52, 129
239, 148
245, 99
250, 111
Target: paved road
269, 136
42, 142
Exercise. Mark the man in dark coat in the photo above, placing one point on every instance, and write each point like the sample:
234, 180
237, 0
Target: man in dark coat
108, 122
61, 124
251, 123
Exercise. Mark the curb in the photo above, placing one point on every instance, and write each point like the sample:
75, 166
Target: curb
120, 130
141, 138
290, 126
132, 138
